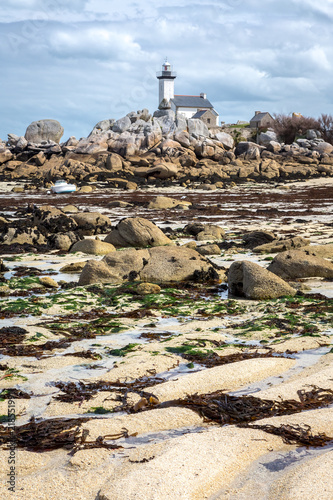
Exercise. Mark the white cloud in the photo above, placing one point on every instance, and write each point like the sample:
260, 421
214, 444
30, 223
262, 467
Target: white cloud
85, 60
98, 43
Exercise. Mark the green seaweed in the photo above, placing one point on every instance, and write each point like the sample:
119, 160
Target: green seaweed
123, 350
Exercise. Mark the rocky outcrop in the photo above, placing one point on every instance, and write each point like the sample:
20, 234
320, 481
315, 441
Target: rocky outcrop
257, 238
265, 138
247, 279
162, 170
44, 130
226, 140
299, 264
138, 145
325, 251
53, 220
92, 223
62, 241
282, 245
210, 232
212, 249
165, 203
137, 232
156, 265
248, 150
22, 236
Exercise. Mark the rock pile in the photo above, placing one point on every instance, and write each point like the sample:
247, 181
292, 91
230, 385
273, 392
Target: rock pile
159, 148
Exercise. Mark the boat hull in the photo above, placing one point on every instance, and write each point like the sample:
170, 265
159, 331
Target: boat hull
64, 188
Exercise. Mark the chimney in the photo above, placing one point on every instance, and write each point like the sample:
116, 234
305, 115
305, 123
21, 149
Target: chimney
204, 96
257, 113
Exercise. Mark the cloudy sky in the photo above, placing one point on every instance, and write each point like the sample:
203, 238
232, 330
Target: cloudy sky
82, 61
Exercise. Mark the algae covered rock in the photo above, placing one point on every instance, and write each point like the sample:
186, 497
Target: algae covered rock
247, 279
299, 264
94, 247
153, 265
137, 232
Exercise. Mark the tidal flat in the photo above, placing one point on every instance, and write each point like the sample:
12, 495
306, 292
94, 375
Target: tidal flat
189, 392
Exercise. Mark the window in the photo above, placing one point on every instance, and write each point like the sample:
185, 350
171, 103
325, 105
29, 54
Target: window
208, 120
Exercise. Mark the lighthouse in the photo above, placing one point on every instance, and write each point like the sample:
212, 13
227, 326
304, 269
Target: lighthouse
166, 79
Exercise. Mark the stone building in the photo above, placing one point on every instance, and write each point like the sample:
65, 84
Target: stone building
191, 106
261, 120
208, 116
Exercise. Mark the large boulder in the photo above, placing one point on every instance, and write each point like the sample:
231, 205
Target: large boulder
299, 264
102, 126
324, 147
122, 124
114, 162
274, 147
93, 247
5, 155
44, 130
162, 170
160, 264
183, 138
225, 139
62, 241
248, 150
90, 223
256, 238
22, 236
164, 203
325, 251
211, 233
266, 137
209, 249
282, 245
197, 127
170, 264
96, 143
247, 279
137, 232
53, 220
165, 118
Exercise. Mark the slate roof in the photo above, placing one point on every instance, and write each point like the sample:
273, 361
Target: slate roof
259, 117
191, 101
199, 114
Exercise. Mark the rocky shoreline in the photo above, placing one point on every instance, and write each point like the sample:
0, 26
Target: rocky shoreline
160, 150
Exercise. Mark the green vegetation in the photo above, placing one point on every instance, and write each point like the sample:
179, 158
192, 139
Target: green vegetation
99, 410
123, 350
36, 337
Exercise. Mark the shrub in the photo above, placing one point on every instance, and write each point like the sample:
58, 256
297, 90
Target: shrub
326, 127
288, 127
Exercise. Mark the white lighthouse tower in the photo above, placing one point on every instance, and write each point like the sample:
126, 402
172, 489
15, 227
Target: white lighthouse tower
166, 79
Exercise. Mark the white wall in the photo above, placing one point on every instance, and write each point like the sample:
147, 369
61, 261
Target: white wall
166, 90
188, 112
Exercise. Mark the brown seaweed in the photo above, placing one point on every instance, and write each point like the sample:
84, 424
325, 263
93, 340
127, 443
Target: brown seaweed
295, 434
57, 433
211, 359
34, 350
45, 435
12, 335
14, 394
74, 392
223, 408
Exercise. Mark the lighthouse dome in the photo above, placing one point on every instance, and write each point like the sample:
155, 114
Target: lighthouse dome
166, 65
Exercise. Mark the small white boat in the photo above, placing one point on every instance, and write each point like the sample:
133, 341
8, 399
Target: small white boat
63, 187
